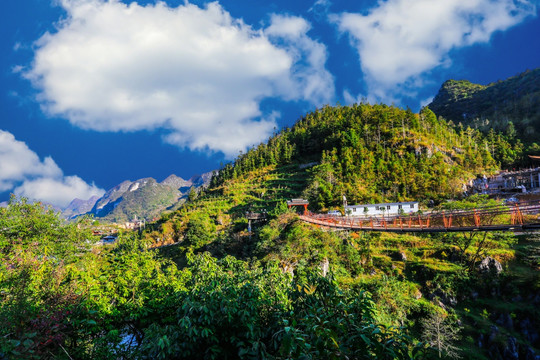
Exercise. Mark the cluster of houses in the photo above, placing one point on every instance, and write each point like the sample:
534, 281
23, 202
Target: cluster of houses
514, 181
506, 181
134, 224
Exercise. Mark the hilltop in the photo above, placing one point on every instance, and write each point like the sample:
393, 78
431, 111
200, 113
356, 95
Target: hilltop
372, 152
511, 105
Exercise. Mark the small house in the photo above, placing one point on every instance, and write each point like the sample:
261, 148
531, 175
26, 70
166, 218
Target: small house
382, 209
109, 239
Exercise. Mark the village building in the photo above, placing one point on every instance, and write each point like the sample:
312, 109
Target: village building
109, 239
382, 209
134, 224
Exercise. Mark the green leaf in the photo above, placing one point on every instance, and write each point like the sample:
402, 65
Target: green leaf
15, 343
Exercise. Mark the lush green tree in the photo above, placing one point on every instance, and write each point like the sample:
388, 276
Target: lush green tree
233, 310
23, 223
192, 195
200, 230
36, 246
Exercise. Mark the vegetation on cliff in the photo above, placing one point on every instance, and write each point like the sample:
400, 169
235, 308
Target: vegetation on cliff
504, 108
373, 152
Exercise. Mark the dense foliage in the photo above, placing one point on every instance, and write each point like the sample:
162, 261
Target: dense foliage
502, 109
125, 302
62, 297
372, 152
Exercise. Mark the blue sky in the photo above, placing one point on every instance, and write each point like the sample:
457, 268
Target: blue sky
95, 92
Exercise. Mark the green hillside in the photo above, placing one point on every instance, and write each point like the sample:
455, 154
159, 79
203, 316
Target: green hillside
510, 106
369, 153
373, 152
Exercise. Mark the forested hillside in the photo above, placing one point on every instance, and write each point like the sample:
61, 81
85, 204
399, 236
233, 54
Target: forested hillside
62, 297
373, 152
510, 107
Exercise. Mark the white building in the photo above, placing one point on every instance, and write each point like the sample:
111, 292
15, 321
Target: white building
382, 209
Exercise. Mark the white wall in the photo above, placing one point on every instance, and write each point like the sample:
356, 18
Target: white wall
375, 209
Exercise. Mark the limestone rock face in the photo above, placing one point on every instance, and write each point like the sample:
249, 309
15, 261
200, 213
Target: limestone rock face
324, 266
490, 266
511, 351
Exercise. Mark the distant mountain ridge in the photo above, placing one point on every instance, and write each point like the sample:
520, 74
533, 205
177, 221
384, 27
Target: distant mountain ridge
79, 206
143, 199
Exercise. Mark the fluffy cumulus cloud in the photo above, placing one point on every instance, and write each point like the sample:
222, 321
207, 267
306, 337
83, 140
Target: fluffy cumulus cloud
309, 79
196, 72
58, 191
400, 40
18, 162
22, 172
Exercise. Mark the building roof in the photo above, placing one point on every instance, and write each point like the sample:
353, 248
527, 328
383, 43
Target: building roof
297, 202
385, 204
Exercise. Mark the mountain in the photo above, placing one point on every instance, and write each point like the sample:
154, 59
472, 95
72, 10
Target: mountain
143, 199
176, 182
494, 106
79, 207
372, 153
203, 179
183, 185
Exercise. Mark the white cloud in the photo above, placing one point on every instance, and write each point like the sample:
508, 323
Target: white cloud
57, 191
309, 78
18, 162
196, 72
400, 40
22, 171
320, 8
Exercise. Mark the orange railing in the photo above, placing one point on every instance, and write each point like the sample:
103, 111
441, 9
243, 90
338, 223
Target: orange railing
524, 215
